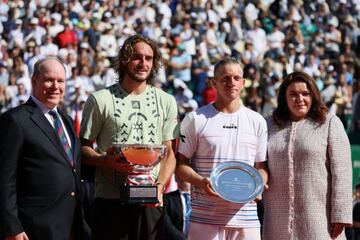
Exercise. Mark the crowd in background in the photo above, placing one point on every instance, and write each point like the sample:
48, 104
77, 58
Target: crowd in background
271, 37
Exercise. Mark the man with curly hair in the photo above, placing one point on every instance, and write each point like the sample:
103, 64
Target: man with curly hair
131, 111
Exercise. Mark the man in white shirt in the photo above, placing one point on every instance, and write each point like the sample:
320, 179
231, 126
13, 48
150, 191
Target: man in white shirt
216, 133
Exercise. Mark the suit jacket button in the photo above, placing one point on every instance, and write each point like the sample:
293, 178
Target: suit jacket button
72, 194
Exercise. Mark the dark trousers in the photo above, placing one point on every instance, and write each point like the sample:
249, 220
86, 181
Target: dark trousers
118, 221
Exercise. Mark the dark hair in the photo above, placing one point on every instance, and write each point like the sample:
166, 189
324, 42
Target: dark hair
225, 61
127, 50
317, 111
41, 61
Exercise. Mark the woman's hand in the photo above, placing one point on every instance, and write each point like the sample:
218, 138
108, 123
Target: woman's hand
336, 229
259, 197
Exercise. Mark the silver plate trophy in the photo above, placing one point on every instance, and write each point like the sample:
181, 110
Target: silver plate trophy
140, 186
236, 182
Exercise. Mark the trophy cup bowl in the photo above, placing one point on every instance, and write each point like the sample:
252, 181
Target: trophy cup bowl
140, 186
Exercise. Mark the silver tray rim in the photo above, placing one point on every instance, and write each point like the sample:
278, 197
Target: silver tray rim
244, 167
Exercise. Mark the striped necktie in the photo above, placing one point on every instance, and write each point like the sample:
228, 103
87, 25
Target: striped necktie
61, 133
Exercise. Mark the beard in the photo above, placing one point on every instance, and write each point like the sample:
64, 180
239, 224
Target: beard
131, 73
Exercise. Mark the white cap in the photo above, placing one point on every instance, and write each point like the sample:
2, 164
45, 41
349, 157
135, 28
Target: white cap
96, 15
126, 31
333, 22
56, 16
193, 15
188, 93
226, 27
179, 83
191, 103
84, 45
108, 14
330, 68
162, 40
34, 21
300, 48
18, 21
63, 53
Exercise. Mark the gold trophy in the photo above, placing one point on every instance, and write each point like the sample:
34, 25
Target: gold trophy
140, 187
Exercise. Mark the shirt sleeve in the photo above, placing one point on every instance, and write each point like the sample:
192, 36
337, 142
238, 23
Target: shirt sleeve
188, 136
262, 141
91, 120
171, 121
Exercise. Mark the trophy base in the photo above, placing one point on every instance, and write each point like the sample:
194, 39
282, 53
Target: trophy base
141, 194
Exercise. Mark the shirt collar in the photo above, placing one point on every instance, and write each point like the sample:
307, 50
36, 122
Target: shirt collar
44, 109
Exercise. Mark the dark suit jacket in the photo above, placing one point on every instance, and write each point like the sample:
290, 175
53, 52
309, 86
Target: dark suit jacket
173, 216
38, 186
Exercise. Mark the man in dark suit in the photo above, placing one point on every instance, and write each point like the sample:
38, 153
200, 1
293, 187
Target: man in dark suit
177, 212
174, 216
39, 163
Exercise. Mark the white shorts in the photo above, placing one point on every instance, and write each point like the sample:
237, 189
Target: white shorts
198, 231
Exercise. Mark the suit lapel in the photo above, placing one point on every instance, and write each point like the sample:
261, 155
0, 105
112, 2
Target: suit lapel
41, 122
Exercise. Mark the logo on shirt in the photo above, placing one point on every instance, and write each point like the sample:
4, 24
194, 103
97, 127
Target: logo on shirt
231, 126
182, 137
135, 104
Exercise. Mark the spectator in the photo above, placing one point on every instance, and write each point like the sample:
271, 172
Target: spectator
355, 124
311, 67
4, 99
257, 36
55, 27
21, 97
4, 74
108, 43
16, 36
35, 32
180, 64
250, 55
92, 35
67, 36
49, 49
275, 41
209, 93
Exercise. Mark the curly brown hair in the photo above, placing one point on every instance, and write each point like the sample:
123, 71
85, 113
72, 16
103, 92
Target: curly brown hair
317, 111
126, 52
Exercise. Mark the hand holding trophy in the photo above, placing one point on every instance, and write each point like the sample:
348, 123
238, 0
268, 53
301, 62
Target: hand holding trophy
138, 160
115, 161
